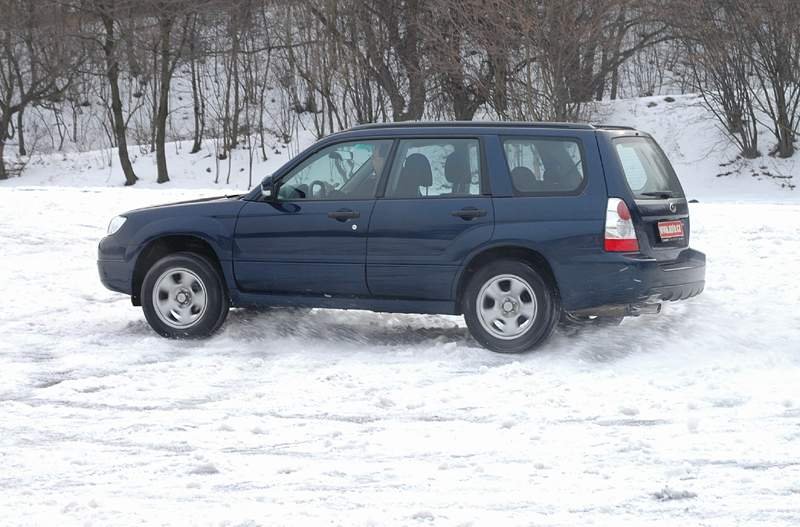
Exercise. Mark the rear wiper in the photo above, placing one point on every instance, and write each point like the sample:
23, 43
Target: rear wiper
659, 194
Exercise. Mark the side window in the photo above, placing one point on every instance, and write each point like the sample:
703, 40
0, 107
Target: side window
341, 171
544, 166
435, 167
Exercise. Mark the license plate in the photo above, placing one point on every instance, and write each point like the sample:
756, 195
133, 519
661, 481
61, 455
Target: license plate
670, 230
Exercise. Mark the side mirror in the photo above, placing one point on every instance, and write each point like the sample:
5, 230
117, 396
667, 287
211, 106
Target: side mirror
267, 188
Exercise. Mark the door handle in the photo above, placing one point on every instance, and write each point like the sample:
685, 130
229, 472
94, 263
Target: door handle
469, 213
344, 215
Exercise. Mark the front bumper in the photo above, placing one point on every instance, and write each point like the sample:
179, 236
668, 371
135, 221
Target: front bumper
116, 270
115, 275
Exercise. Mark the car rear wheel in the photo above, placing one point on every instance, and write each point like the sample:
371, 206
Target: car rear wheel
509, 307
183, 297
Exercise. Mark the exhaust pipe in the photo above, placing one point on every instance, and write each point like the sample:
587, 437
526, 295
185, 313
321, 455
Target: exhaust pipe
635, 310
622, 310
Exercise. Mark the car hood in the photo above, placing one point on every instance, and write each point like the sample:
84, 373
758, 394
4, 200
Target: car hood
187, 203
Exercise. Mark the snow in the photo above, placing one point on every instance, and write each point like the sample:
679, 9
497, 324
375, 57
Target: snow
704, 159
296, 416
100, 168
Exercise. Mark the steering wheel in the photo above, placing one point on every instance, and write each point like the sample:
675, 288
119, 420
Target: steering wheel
324, 189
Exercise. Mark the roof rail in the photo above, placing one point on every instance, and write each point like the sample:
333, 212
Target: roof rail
474, 124
613, 127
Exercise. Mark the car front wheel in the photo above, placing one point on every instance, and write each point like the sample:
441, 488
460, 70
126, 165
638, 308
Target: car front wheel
509, 307
183, 297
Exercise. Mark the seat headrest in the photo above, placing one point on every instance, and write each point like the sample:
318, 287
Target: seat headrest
524, 179
417, 168
456, 168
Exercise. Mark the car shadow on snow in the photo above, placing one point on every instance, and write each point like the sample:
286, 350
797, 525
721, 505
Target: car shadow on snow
341, 326
298, 328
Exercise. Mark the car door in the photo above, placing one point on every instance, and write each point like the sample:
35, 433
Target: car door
311, 238
431, 215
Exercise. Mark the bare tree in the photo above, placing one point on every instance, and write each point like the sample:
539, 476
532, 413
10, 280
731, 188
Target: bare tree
109, 13
37, 62
721, 60
775, 29
385, 37
466, 48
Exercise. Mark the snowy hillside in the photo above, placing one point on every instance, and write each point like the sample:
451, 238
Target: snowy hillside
706, 162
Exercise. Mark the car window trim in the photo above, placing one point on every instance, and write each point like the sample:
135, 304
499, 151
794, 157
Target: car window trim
571, 138
484, 189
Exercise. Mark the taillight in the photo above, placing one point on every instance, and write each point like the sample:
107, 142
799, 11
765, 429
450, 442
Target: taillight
620, 235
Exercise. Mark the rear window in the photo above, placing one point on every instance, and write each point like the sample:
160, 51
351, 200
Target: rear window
646, 168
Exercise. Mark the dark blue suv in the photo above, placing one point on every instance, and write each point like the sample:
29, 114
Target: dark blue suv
517, 226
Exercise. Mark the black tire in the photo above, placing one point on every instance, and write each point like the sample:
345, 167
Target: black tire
541, 325
216, 298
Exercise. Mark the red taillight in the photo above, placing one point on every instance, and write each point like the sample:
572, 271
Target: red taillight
621, 246
620, 235
622, 211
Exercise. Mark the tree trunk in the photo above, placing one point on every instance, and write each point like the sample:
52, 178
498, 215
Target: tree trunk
197, 99
3, 173
21, 133
165, 28
5, 121
234, 138
117, 118
782, 124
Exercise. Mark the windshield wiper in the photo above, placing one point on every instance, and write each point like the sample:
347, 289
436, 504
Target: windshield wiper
659, 194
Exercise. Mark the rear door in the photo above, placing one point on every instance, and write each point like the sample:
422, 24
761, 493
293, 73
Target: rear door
661, 206
433, 212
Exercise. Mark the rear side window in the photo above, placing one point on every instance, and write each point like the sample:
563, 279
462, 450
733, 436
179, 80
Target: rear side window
647, 170
544, 165
435, 168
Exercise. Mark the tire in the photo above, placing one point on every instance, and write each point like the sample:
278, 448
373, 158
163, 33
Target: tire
505, 288
183, 296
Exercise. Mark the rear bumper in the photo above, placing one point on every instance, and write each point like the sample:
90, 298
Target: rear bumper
614, 280
678, 292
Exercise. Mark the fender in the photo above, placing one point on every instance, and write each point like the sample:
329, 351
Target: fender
213, 223
509, 243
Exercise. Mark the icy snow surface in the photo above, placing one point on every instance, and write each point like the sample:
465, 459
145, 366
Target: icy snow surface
293, 417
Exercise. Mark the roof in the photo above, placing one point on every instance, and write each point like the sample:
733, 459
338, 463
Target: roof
486, 124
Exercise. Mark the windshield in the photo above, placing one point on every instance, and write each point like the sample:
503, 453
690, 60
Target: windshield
647, 169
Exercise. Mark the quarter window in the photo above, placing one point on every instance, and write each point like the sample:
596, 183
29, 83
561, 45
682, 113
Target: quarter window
341, 171
435, 168
544, 166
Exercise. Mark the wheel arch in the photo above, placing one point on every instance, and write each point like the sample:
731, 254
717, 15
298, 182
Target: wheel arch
511, 250
167, 244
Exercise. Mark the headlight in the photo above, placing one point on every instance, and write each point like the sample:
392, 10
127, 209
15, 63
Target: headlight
116, 224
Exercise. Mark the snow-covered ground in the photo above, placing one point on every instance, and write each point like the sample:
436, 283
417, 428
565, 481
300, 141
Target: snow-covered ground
293, 417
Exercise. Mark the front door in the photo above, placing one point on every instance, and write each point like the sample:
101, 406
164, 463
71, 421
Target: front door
312, 238
432, 215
